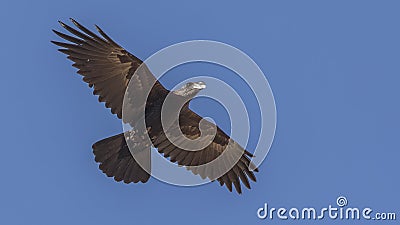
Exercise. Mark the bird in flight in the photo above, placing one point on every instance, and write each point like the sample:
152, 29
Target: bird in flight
109, 69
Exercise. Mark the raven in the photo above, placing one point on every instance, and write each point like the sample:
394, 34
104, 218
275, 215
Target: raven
108, 68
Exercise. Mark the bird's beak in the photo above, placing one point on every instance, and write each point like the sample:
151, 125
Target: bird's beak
199, 85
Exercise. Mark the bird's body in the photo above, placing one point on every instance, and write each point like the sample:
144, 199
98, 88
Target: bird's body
109, 68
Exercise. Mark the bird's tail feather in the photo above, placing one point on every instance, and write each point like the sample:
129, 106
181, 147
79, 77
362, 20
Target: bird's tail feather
117, 161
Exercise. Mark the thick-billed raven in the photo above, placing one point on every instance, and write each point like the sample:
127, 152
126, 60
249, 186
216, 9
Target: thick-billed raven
108, 68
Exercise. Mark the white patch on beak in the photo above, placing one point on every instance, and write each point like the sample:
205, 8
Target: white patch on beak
199, 85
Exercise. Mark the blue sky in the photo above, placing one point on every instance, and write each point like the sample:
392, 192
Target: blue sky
333, 67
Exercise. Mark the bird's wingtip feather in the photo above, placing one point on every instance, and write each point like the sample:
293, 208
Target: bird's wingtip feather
61, 23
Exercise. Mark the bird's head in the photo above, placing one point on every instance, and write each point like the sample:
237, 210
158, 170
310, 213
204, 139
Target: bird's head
191, 89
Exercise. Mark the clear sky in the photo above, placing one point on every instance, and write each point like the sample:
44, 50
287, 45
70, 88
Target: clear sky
333, 67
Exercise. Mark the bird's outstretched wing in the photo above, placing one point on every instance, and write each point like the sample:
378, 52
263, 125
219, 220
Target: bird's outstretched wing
105, 66
237, 161
109, 68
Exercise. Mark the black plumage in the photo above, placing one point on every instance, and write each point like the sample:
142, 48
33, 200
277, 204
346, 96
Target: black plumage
108, 68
